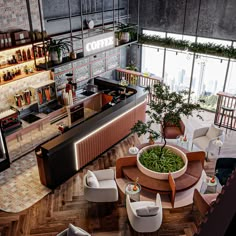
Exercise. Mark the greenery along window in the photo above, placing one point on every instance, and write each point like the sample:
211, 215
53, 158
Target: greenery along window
198, 47
205, 73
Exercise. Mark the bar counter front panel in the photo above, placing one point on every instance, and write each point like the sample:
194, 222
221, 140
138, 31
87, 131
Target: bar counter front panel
61, 157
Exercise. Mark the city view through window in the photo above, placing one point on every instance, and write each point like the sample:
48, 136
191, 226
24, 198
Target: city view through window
205, 75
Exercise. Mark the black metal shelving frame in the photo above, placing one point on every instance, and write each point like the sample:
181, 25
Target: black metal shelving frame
80, 34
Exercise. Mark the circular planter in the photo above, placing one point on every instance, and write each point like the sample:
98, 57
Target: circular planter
159, 175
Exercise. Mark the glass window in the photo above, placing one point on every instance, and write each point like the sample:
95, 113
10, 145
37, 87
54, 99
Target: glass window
175, 36
152, 60
208, 79
178, 69
215, 41
158, 33
231, 79
189, 38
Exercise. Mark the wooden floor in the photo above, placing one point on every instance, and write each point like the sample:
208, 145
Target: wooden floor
67, 205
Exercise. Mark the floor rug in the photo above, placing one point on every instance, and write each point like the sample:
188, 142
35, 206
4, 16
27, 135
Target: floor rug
20, 185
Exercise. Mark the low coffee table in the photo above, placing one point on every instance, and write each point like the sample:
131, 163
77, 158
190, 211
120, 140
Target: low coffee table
134, 195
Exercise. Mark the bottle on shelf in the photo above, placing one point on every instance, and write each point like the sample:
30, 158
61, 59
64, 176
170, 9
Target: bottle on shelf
18, 55
13, 73
29, 57
18, 70
14, 61
40, 52
24, 55
4, 76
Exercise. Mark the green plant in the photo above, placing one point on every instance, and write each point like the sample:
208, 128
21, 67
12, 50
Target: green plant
127, 28
57, 46
152, 160
165, 107
132, 67
207, 48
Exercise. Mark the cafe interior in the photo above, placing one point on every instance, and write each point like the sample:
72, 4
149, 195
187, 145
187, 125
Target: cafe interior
117, 118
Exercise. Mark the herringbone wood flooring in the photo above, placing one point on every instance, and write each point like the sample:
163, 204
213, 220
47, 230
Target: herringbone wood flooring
66, 204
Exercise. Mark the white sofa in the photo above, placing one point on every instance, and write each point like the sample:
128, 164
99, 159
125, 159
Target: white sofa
104, 189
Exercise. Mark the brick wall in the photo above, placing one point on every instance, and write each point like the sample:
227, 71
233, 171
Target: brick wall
14, 15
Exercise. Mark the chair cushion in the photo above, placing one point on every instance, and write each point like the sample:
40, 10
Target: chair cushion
201, 142
213, 132
92, 180
107, 184
210, 198
147, 211
223, 174
75, 231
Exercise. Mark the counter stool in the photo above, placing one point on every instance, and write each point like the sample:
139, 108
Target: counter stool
230, 112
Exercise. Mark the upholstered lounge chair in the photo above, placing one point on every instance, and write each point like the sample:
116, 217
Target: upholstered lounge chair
144, 216
73, 231
204, 138
203, 202
101, 187
224, 168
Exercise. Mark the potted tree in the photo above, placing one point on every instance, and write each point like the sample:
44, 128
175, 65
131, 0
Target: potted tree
165, 107
56, 48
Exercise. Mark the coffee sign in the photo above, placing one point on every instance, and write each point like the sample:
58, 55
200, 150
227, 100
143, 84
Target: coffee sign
99, 43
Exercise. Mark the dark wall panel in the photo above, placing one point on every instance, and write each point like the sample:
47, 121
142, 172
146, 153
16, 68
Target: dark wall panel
91, 9
217, 18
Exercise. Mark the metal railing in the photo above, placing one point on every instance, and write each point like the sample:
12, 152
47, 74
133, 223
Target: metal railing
138, 79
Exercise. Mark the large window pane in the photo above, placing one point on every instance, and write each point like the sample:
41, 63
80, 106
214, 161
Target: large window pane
152, 60
178, 69
157, 33
231, 79
175, 36
208, 79
215, 41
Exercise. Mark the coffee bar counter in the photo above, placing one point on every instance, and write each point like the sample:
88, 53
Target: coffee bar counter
61, 157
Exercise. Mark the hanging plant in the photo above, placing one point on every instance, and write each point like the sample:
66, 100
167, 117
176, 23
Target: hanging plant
204, 48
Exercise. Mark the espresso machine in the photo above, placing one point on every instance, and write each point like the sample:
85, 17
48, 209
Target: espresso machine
27, 96
70, 85
18, 99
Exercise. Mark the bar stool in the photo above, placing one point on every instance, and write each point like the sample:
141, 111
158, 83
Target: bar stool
230, 112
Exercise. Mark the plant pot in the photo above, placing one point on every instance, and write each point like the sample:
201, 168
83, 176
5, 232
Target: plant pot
124, 37
159, 175
54, 57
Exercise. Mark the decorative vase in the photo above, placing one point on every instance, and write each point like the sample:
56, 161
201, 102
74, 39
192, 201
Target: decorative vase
55, 58
151, 140
124, 37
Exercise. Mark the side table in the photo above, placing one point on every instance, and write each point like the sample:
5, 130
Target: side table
134, 195
208, 186
180, 142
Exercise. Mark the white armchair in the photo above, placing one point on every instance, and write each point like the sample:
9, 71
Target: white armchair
100, 186
145, 216
204, 138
